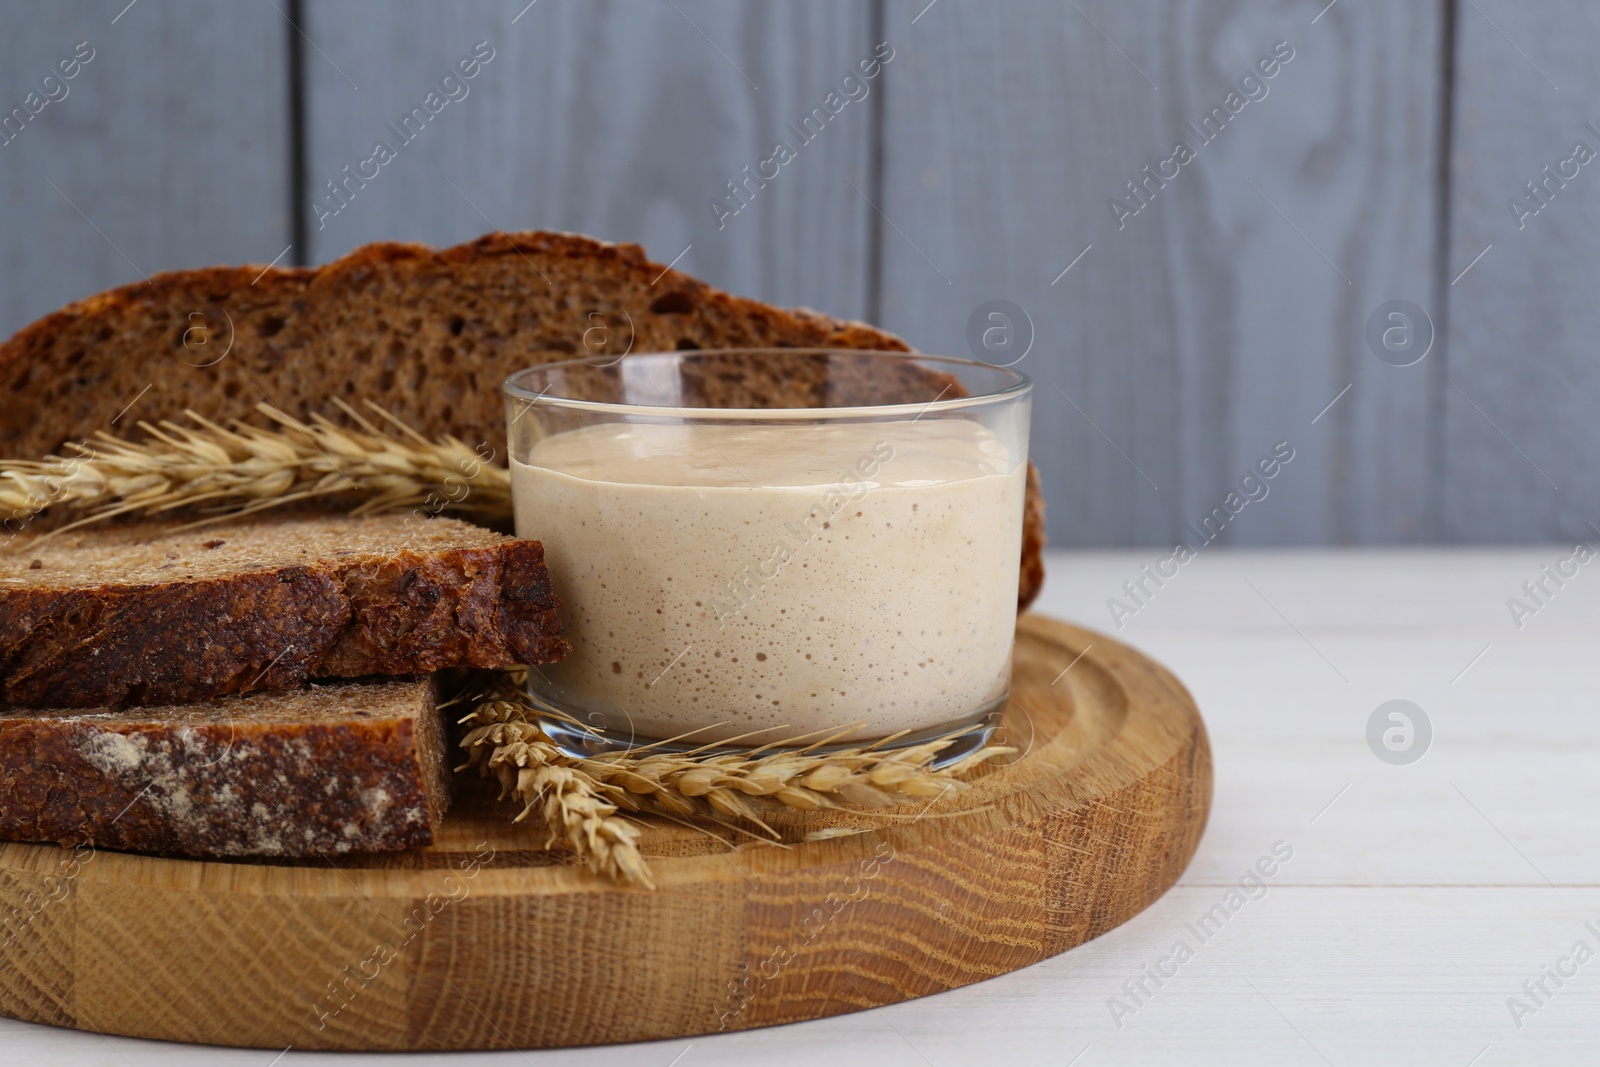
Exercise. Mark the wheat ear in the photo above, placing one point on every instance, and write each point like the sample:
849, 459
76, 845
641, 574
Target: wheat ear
580, 806
242, 468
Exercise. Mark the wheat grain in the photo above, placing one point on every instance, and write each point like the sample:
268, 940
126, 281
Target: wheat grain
580, 804
242, 468
574, 810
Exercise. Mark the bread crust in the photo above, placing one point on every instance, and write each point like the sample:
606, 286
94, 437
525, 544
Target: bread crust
428, 333
413, 612
231, 783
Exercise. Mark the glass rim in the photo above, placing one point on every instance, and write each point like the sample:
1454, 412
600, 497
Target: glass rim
1020, 385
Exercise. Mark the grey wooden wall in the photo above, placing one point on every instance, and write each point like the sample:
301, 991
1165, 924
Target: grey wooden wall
1230, 313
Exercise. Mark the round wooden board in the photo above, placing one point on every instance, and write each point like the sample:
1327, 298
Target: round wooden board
486, 941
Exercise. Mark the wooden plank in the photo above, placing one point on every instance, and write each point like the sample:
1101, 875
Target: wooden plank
624, 123
1412, 974
1352, 975
165, 150
1429, 983
1097, 822
1222, 318
1265, 644
1417, 963
1524, 384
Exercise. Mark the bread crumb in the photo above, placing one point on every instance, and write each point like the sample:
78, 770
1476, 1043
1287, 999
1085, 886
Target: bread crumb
113, 753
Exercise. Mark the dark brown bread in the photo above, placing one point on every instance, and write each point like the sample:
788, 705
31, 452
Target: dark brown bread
143, 614
428, 334
325, 769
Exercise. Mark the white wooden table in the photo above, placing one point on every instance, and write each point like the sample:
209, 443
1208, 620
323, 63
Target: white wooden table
1419, 899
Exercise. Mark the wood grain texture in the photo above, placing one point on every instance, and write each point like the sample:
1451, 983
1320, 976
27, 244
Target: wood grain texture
1405, 919
1221, 318
1524, 383
1094, 820
1205, 330
620, 121
171, 142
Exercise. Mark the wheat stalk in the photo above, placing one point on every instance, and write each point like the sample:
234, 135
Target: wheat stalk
243, 468
582, 805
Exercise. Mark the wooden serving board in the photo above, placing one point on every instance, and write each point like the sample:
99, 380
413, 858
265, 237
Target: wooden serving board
486, 941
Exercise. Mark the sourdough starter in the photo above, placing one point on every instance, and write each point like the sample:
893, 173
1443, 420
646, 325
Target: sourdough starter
726, 578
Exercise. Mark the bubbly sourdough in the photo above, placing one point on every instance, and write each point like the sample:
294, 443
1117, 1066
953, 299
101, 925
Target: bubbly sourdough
801, 577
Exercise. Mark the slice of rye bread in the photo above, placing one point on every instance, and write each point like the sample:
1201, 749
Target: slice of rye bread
428, 334
144, 614
324, 769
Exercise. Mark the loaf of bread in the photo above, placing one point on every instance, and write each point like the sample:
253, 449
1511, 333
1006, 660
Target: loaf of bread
145, 614
323, 769
428, 334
